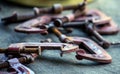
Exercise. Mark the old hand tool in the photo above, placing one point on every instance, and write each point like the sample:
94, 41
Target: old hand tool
55, 9
37, 48
95, 52
89, 27
58, 8
34, 25
15, 67
103, 23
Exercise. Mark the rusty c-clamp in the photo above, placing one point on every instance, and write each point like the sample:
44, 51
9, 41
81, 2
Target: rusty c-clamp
92, 51
97, 53
34, 25
103, 23
15, 67
37, 48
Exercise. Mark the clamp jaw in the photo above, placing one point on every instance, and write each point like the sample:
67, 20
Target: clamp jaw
32, 26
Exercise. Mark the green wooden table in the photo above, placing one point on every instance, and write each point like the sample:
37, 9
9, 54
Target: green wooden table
50, 62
